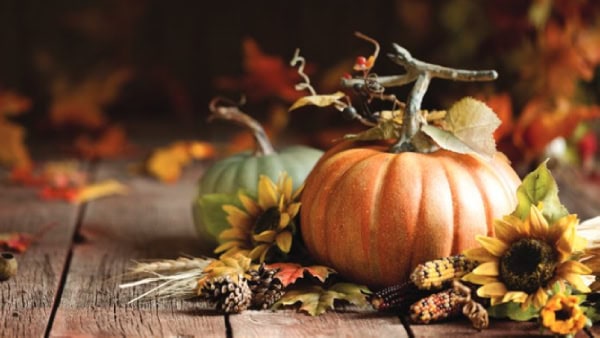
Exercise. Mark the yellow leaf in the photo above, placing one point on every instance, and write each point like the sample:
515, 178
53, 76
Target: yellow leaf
166, 163
13, 152
98, 190
317, 100
316, 300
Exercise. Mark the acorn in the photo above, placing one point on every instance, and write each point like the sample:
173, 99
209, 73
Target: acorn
8, 266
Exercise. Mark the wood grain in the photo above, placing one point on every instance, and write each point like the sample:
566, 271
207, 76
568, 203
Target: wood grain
463, 328
290, 324
27, 299
153, 221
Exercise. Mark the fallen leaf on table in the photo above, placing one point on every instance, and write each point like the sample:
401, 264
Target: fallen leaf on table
98, 190
316, 300
15, 241
57, 174
166, 163
289, 273
110, 144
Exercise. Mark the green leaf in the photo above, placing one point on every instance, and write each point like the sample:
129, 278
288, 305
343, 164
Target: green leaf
539, 186
214, 218
317, 100
513, 311
316, 300
385, 130
469, 127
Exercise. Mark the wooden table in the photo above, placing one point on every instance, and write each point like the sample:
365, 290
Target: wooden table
67, 281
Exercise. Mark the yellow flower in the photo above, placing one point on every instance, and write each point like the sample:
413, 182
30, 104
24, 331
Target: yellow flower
526, 257
264, 223
563, 315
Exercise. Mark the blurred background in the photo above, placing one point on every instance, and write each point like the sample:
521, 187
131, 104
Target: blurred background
92, 73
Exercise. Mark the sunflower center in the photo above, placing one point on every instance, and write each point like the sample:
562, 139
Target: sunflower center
563, 314
268, 220
527, 265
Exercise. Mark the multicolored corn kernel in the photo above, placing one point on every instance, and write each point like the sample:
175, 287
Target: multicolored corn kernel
396, 297
433, 274
436, 307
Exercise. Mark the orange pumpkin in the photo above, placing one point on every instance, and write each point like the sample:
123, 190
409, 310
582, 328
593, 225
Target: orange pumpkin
374, 215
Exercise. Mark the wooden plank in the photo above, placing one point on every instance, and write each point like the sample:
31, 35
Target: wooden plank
27, 300
291, 324
463, 328
153, 221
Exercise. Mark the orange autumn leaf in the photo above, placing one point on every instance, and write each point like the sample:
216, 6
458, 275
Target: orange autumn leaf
265, 76
543, 120
166, 163
289, 273
13, 152
12, 103
98, 190
501, 104
56, 174
81, 104
15, 241
110, 144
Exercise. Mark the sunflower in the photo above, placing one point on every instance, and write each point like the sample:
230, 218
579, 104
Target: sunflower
262, 224
563, 315
526, 257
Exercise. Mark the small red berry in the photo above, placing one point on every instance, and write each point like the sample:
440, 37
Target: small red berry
361, 61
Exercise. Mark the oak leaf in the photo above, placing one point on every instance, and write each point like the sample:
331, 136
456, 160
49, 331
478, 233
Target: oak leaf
316, 300
289, 273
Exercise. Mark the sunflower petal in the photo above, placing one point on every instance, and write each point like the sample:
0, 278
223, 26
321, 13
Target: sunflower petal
284, 241
493, 245
479, 279
267, 193
297, 193
514, 296
538, 223
479, 254
573, 267
286, 188
233, 233
266, 236
497, 289
539, 298
487, 269
520, 226
259, 251
506, 232
284, 221
560, 226
226, 246
249, 204
293, 209
577, 282
237, 218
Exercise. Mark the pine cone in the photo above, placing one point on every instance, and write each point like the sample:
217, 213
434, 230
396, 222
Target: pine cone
228, 295
266, 288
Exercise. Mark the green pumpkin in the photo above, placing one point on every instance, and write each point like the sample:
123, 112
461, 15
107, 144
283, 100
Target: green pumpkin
221, 182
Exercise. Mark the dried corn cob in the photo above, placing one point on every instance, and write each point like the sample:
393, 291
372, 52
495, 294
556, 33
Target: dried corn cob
433, 274
436, 307
396, 297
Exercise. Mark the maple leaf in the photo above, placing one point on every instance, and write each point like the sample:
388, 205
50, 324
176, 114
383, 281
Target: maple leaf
81, 104
289, 273
110, 144
166, 163
316, 300
542, 120
265, 76
15, 242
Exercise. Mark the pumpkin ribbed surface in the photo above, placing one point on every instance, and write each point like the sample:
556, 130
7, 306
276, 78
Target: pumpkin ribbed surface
374, 215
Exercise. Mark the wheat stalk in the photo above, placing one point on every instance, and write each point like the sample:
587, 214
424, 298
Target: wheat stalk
170, 265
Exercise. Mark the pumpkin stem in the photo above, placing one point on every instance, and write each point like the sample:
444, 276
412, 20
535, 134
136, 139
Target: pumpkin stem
421, 73
234, 114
